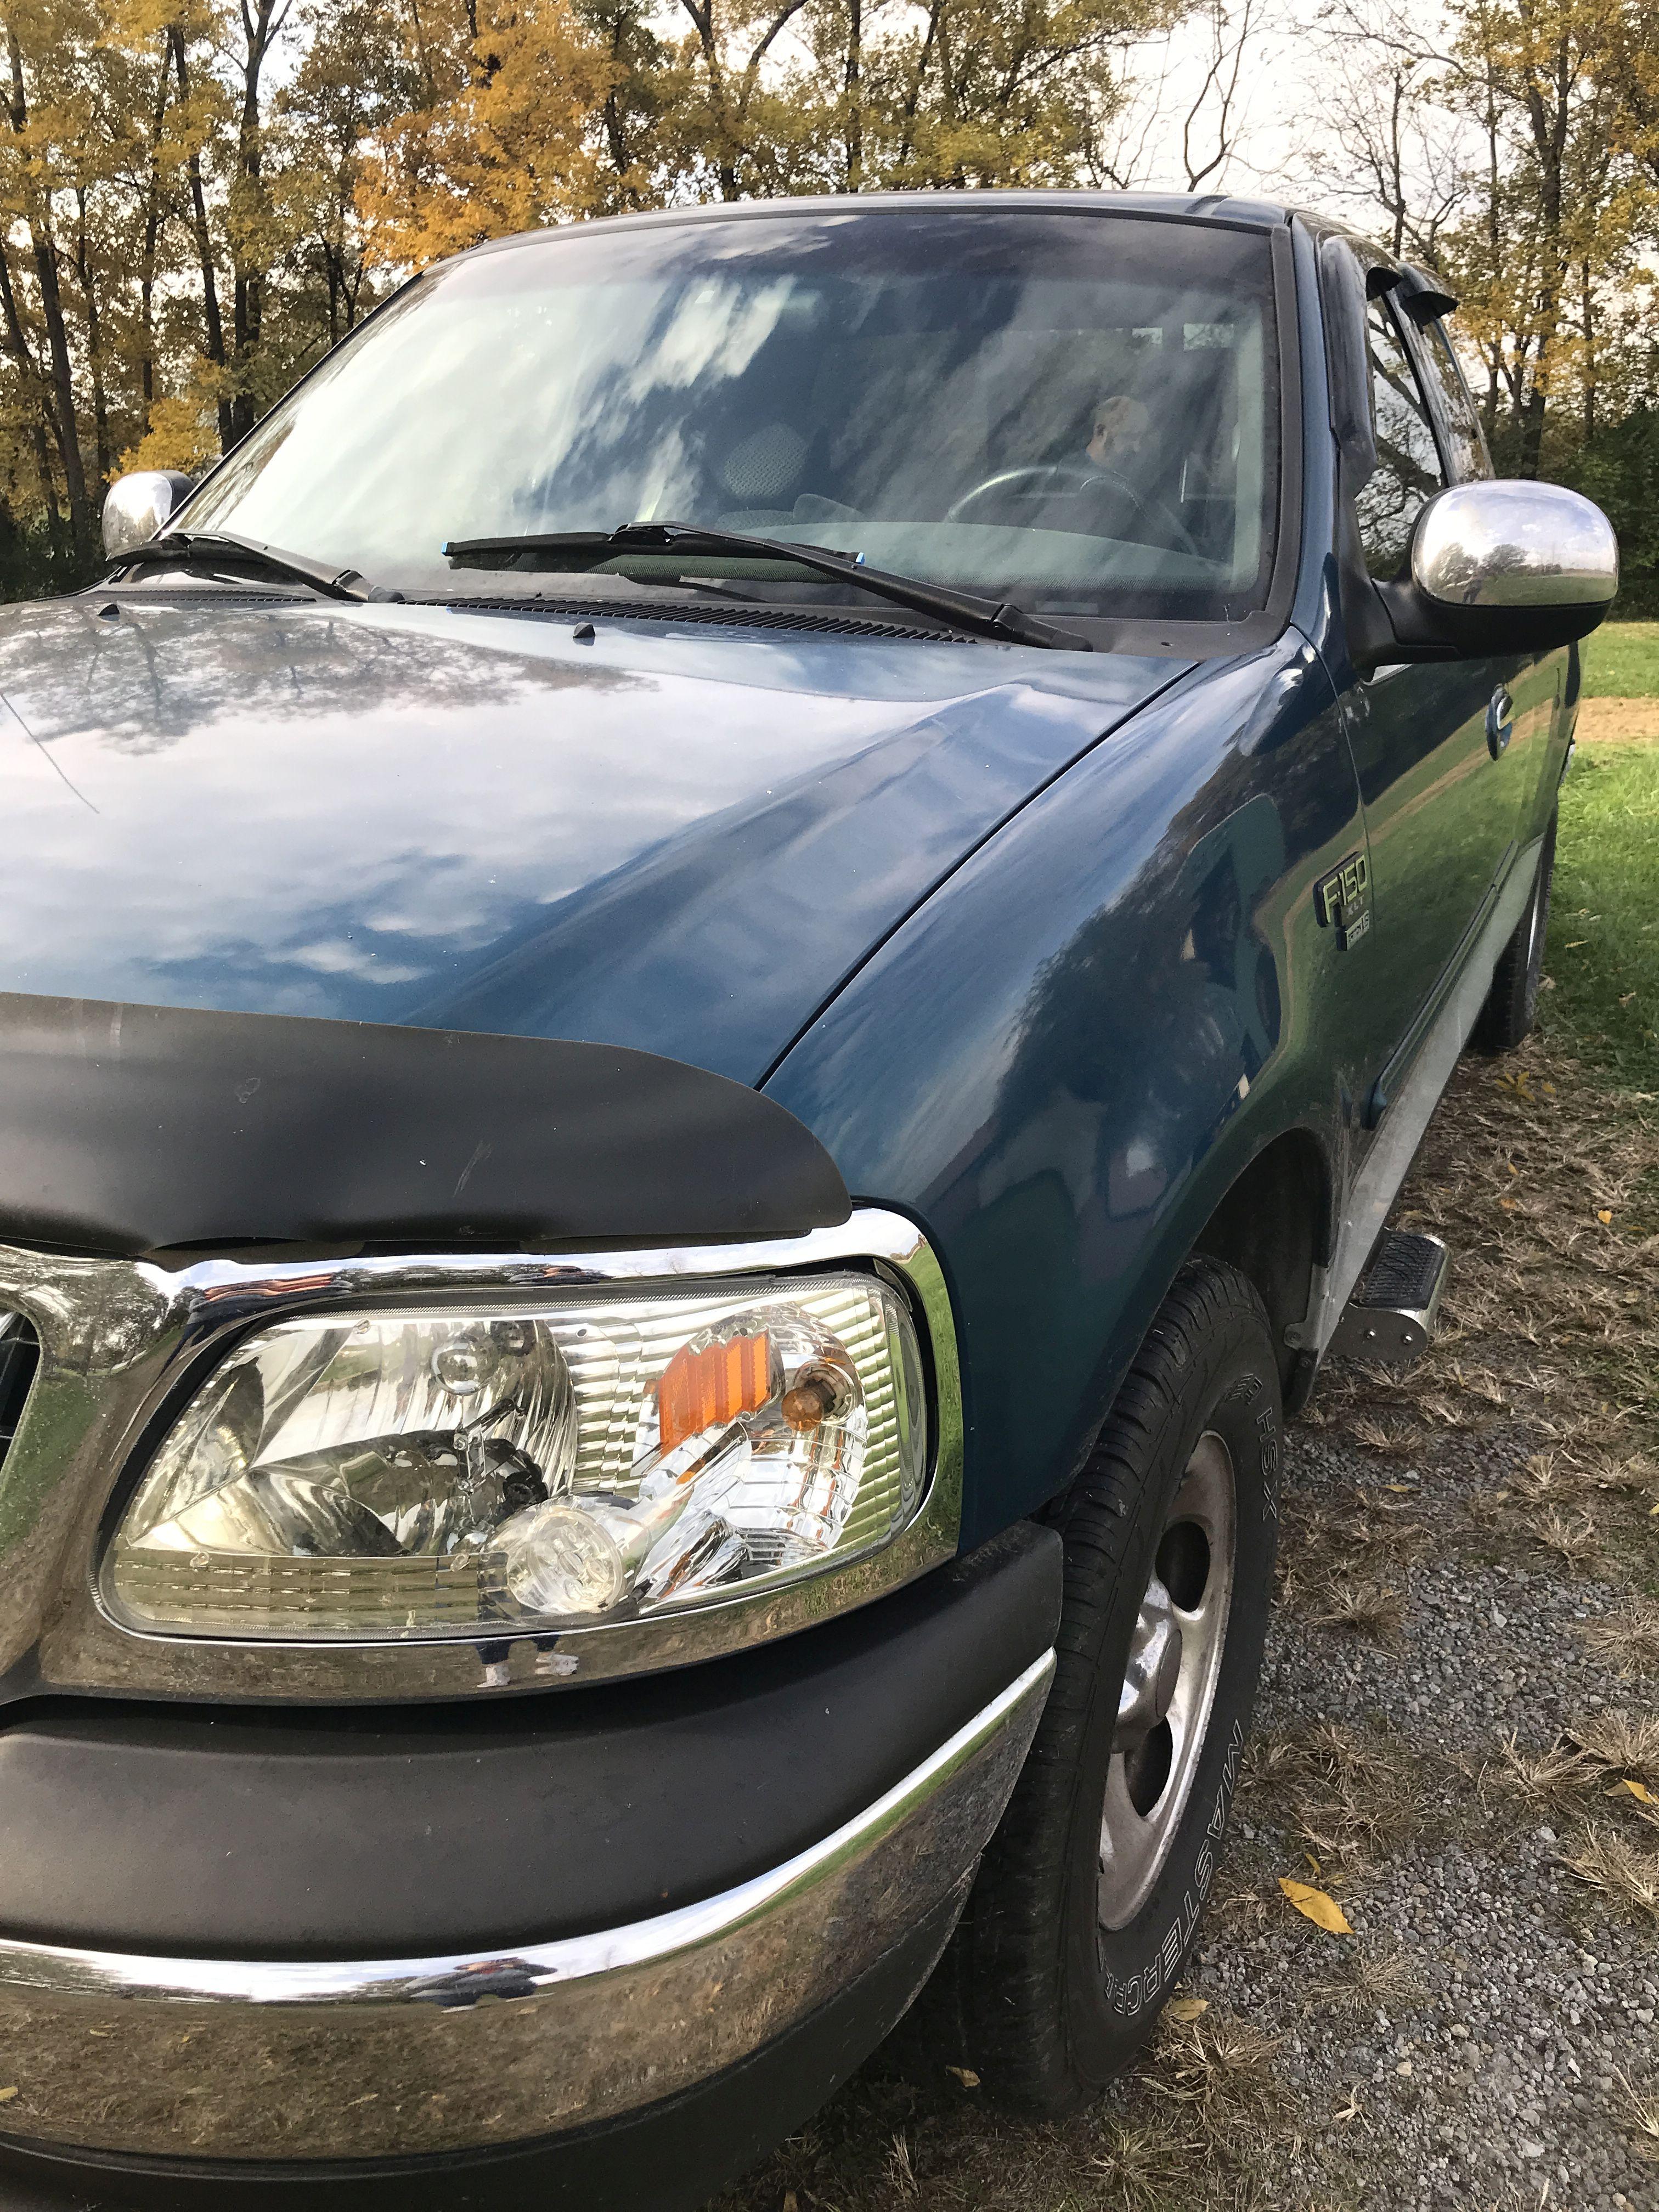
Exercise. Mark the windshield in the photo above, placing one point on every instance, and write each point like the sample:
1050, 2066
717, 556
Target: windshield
1078, 414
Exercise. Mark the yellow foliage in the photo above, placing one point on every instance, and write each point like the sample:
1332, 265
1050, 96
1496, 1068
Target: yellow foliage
184, 430
503, 144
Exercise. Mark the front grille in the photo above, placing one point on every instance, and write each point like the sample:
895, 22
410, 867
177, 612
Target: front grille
20, 1355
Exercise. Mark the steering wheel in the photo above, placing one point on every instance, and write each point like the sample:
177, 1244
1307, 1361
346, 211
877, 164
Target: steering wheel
1064, 479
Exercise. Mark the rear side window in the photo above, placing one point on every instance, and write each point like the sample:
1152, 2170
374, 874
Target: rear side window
1466, 441
1408, 469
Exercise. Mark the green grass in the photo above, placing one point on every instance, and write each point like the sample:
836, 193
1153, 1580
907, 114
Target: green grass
1603, 952
1621, 661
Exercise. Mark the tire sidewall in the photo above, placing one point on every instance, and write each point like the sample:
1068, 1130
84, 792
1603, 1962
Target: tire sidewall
1116, 1981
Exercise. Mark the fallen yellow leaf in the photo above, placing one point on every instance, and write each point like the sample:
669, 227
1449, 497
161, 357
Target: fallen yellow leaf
1604, 1215
965, 2074
1640, 1789
1324, 1912
1311, 1860
1405, 1488
6, 2096
1189, 2008
1508, 1204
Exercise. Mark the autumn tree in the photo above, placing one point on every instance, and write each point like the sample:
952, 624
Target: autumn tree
200, 196
501, 135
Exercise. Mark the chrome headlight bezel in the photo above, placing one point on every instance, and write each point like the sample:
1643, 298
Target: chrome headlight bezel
129, 1344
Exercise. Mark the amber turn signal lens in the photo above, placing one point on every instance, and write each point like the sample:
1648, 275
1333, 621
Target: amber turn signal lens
705, 1389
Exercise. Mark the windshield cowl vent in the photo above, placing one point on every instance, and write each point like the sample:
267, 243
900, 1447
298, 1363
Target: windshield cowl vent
733, 618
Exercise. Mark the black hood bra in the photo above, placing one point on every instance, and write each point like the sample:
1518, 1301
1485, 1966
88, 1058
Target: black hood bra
130, 1129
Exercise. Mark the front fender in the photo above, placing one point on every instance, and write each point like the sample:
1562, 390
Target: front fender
1064, 1059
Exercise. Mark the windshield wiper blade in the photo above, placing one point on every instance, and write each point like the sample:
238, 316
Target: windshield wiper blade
183, 546
966, 610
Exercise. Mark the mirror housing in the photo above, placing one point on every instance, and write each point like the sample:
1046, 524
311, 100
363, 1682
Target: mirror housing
1502, 567
139, 504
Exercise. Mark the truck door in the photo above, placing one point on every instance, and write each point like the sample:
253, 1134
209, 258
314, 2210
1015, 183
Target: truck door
1428, 739
1534, 683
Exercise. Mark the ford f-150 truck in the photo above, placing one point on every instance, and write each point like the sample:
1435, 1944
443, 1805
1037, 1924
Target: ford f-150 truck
712, 982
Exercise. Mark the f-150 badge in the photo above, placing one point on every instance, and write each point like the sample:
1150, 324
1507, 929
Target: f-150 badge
1342, 900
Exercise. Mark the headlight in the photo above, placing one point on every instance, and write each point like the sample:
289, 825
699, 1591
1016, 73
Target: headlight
399, 1474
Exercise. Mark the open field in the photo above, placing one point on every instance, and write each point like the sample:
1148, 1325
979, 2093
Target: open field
1458, 1736
1621, 682
1621, 661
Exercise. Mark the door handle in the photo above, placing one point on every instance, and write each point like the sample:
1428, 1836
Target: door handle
1500, 720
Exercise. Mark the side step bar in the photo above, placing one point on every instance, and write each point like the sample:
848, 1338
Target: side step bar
1390, 1316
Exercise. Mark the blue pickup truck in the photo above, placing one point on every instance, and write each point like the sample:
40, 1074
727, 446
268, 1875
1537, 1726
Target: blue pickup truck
712, 983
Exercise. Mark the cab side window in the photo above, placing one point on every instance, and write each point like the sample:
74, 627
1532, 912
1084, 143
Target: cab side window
1408, 469
1461, 424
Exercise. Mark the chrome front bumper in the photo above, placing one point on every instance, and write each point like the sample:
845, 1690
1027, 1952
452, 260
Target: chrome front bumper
390, 2058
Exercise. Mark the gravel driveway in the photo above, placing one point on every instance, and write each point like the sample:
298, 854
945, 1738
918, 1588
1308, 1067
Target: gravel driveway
1461, 1688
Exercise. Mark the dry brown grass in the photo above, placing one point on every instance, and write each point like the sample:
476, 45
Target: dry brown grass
1219, 2071
1573, 1538
1196, 2128
1620, 1743
1569, 1774
1624, 1874
1559, 1774
1550, 1323
1627, 1639
1341, 1555
1368, 1609
1374, 1980
1347, 1797
1641, 2114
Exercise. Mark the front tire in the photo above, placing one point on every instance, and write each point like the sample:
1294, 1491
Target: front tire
1087, 1902
1511, 1005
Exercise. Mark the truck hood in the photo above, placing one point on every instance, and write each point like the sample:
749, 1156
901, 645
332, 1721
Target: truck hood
678, 840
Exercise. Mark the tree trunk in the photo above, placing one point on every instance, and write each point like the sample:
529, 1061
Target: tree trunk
261, 22
854, 90
1589, 351
94, 338
152, 234
40, 445
1549, 112
213, 329
702, 13
913, 96
65, 424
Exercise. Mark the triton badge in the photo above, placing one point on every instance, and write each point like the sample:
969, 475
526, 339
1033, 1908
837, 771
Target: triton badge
1342, 900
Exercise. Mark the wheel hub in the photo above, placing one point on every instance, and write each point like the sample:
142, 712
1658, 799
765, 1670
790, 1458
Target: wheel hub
1154, 1669
1168, 1686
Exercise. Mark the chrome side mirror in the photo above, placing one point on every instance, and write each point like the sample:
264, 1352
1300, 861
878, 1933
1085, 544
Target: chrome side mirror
1514, 544
139, 504
1496, 569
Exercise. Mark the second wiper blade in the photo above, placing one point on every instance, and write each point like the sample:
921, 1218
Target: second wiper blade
224, 546
966, 610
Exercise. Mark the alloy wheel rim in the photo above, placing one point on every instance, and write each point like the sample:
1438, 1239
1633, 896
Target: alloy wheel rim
1168, 1693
